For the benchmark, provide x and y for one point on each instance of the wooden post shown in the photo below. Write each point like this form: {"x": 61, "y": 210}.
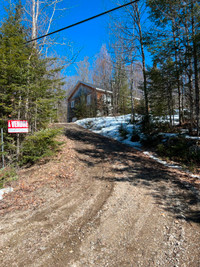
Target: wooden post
{"x": 18, "y": 145}
{"x": 2, "y": 148}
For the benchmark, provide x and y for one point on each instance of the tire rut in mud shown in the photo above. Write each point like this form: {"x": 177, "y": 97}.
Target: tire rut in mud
{"x": 122, "y": 209}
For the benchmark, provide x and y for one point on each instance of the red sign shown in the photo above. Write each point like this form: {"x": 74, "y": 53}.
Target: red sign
{"x": 17, "y": 126}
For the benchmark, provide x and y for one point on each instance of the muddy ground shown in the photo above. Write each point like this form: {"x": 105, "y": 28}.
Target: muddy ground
{"x": 100, "y": 203}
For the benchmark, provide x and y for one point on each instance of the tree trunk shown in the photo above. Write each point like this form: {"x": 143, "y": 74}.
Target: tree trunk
{"x": 143, "y": 61}
{"x": 189, "y": 73}
{"x": 177, "y": 75}
{"x": 35, "y": 120}
{"x": 35, "y": 14}
{"x": 190, "y": 85}
{"x": 18, "y": 136}
{"x": 195, "y": 60}
{"x": 132, "y": 100}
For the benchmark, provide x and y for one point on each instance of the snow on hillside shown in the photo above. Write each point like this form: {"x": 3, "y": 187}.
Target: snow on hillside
{"x": 109, "y": 127}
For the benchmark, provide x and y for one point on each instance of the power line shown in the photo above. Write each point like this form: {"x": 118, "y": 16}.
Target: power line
{"x": 82, "y": 21}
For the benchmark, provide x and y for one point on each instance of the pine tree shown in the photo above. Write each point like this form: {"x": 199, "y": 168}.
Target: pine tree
{"x": 30, "y": 85}
{"x": 13, "y": 71}
{"x": 121, "y": 92}
{"x": 176, "y": 36}
{"x": 161, "y": 89}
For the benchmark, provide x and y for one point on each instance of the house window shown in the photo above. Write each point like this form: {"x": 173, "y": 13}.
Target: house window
{"x": 72, "y": 104}
{"x": 88, "y": 99}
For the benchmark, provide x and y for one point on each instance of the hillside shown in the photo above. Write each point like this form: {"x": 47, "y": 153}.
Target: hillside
{"x": 120, "y": 129}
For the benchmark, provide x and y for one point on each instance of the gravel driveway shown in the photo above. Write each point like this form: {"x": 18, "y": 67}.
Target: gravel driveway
{"x": 122, "y": 209}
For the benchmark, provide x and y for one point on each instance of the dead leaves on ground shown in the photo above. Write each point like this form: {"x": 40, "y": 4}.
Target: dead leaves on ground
{"x": 35, "y": 184}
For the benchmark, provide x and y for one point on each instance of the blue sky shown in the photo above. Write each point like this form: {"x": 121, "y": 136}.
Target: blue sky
{"x": 88, "y": 36}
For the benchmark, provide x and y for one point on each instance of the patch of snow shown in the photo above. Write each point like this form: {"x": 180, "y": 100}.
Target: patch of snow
{"x": 184, "y": 130}
{"x": 194, "y": 175}
{"x": 176, "y": 134}
{"x": 162, "y": 161}
{"x": 192, "y": 137}
{"x": 168, "y": 134}
{"x": 109, "y": 127}
{"x": 5, "y": 191}
{"x": 175, "y": 120}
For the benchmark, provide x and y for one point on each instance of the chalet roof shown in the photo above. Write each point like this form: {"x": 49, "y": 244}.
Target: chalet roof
{"x": 95, "y": 87}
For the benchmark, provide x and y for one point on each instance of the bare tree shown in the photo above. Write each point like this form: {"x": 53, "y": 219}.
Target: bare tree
{"x": 102, "y": 71}
{"x": 130, "y": 28}
{"x": 83, "y": 70}
{"x": 135, "y": 76}
{"x": 40, "y": 16}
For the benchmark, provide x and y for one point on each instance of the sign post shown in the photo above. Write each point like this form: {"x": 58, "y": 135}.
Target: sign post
{"x": 18, "y": 126}
{"x": 2, "y": 148}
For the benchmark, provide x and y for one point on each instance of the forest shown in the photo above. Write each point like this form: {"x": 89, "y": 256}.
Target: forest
{"x": 167, "y": 32}
{"x": 153, "y": 48}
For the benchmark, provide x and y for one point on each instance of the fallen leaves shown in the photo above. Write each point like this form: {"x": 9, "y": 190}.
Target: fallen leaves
{"x": 37, "y": 182}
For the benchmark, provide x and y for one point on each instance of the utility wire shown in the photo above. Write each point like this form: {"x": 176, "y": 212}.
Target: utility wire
{"x": 82, "y": 21}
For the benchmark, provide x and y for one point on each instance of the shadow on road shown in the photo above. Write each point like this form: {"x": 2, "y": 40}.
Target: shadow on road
{"x": 179, "y": 198}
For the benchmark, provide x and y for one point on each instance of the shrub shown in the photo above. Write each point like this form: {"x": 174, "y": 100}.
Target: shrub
{"x": 163, "y": 127}
{"x": 39, "y": 145}
{"x": 140, "y": 107}
{"x": 7, "y": 174}
{"x": 161, "y": 150}
{"x": 151, "y": 140}
{"x": 135, "y": 136}
{"x": 123, "y": 131}
{"x": 89, "y": 124}
{"x": 181, "y": 149}
{"x": 146, "y": 124}
{"x": 194, "y": 153}
{"x": 177, "y": 147}
{"x": 151, "y": 125}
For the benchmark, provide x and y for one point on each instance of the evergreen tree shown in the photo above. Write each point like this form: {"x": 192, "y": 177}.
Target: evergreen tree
{"x": 13, "y": 71}
{"x": 176, "y": 36}
{"x": 29, "y": 84}
{"x": 161, "y": 89}
{"x": 121, "y": 91}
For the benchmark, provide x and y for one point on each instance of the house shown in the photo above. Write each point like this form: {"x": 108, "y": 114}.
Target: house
{"x": 88, "y": 100}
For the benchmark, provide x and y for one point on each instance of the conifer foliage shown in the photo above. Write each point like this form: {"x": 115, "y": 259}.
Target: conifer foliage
{"x": 29, "y": 87}
{"x": 174, "y": 45}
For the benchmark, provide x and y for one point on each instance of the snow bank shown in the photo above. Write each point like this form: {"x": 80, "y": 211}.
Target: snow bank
{"x": 163, "y": 162}
{"x": 192, "y": 137}
{"x": 5, "y": 191}
{"x": 109, "y": 127}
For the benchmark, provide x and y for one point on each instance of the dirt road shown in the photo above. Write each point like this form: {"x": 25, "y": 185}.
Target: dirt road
{"x": 120, "y": 209}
